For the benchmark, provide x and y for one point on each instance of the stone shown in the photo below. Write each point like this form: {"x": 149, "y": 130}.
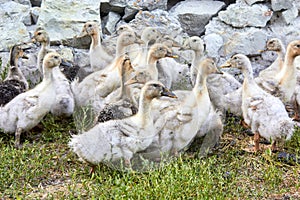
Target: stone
{"x": 281, "y": 5}
{"x": 250, "y": 2}
{"x": 12, "y": 28}
{"x": 213, "y": 43}
{"x": 65, "y": 19}
{"x": 129, "y": 14}
{"x": 148, "y": 4}
{"x": 36, "y": 3}
{"x": 166, "y": 23}
{"x": 112, "y": 20}
{"x": 35, "y": 13}
{"x": 290, "y": 14}
{"x": 239, "y": 16}
{"x": 194, "y": 15}
{"x": 24, "y": 2}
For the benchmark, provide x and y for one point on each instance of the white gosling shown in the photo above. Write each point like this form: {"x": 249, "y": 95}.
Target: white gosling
{"x": 27, "y": 109}
{"x": 117, "y": 140}
{"x": 264, "y": 113}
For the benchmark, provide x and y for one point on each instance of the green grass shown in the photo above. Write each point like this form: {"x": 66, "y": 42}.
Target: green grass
{"x": 46, "y": 168}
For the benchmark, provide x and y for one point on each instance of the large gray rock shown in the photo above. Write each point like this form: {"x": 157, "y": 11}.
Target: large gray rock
{"x": 282, "y": 5}
{"x": 194, "y": 15}
{"x": 12, "y": 18}
{"x": 242, "y": 15}
{"x": 112, "y": 20}
{"x": 290, "y": 14}
{"x": 65, "y": 19}
{"x": 250, "y": 2}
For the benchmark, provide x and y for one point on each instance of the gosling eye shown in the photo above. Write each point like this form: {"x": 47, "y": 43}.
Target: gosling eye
{"x": 194, "y": 40}
{"x": 39, "y": 33}
{"x": 90, "y": 25}
{"x": 55, "y": 57}
{"x": 298, "y": 45}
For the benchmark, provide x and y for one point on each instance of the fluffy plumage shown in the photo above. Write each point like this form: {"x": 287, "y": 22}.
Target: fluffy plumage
{"x": 27, "y": 109}
{"x": 115, "y": 140}
{"x": 264, "y": 113}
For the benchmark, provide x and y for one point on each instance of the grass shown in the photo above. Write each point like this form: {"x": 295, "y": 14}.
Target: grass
{"x": 46, "y": 168}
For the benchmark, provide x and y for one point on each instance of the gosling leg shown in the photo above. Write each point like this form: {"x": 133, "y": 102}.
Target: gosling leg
{"x": 17, "y": 138}
{"x": 256, "y": 141}
{"x": 273, "y": 146}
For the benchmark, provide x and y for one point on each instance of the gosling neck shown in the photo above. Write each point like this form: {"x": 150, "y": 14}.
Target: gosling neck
{"x": 95, "y": 40}
{"x": 152, "y": 67}
{"x": 198, "y": 56}
{"x": 143, "y": 113}
{"x": 200, "y": 84}
{"x": 289, "y": 69}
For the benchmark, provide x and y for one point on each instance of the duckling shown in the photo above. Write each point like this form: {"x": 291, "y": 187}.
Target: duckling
{"x": 41, "y": 36}
{"x": 96, "y": 86}
{"x": 177, "y": 122}
{"x": 264, "y": 113}
{"x": 284, "y": 82}
{"x": 27, "y": 109}
{"x": 121, "y": 106}
{"x": 64, "y": 105}
{"x": 223, "y": 88}
{"x": 115, "y": 140}
{"x": 273, "y": 44}
{"x": 15, "y": 82}
{"x": 196, "y": 44}
{"x": 99, "y": 58}
{"x": 149, "y": 71}
{"x": 149, "y": 36}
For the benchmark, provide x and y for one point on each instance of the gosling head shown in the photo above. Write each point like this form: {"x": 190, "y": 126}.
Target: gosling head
{"x": 90, "y": 28}
{"x": 124, "y": 28}
{"x": 150, "y": 33}
{"x": 293, "y": 48}
{"x": 51, "y": 60}
{"x": 209, "y": 66}
{"x": 41, "y": 36}
{"x": 158, "y": 51}
{"x": 127, "y": 38}
{"x": 155, "y": 89}
{"x": 193, "y": 43}
{"x": 238, "y": 61}
{"x": 16, "y": 52}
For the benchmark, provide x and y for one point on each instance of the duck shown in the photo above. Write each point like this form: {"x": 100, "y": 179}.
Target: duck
{"x": 15, "y": 83}
{"x": 177, "y": 121}
{"x": 149, "y": 36}
{"x": 273, "y": 44}
{"x": 264, "y": 113}
{"x": 223, "y": 88}
{"x": 116, "y": 141}
{"x": 67, "y": 68}
{"x": 27, "y": 109}
{"x": 96, "y": 86}
{"x": 121, "y": 105}
{"x": 99, "y": 58}
{"x": 284, "y": 82}
{"x": 149, "y": 71}
{"x": 195, "y": 44}
{"x": 65, "y": 103}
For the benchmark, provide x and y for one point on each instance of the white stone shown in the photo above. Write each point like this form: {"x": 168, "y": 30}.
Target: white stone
{"x": 238, "y": 15}
{"x": 213, "y": 43}
{"x": 65, "y": 19}
{"x": 290, "y": 14}
{"x": 12, "y": 28}
{"x": 194, "y": 15}
{"x": 280, "y": 4}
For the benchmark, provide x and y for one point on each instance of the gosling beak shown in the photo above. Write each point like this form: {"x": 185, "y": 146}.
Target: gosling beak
{"x": 226, "y": 65}
{"x": 261, "y": 51}
{"x": 25, "y": 56}
{"x": 66, "y": 63}
{"x": 218, "y": 72}
{"x": 133, "y": 80}
{"x": 170, "y": 55}
{"x": 166, "y": 92}
{"x": 139, "y": 41}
